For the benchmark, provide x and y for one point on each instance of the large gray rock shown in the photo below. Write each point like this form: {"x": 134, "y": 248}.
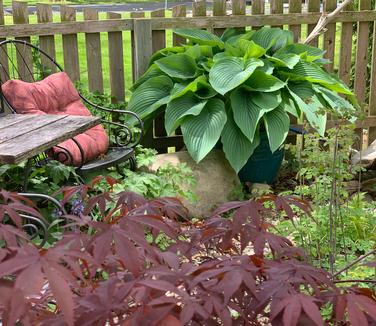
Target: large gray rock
{"x": 215, "y": 179}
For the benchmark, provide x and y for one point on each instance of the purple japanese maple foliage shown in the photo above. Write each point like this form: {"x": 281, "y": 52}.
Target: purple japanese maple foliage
{"x": 109, "y": 269}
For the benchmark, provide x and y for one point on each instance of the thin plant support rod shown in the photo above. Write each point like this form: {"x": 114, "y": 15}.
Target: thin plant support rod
{"x": 325, "y": 19}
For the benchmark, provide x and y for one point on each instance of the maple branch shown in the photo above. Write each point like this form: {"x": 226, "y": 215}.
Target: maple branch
{"x": 355, "y": 281}
{"x": 325, "y": 19}
{"x": 360, "y": 258}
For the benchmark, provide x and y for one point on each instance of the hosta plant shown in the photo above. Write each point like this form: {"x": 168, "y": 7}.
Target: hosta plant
{"x": 229, "y": 88}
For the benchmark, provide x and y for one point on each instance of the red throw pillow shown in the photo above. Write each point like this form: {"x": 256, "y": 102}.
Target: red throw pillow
{"x": 56, "y": 94}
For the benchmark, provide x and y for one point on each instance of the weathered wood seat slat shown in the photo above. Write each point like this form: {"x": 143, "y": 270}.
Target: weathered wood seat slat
{"x": 24, "y": 136}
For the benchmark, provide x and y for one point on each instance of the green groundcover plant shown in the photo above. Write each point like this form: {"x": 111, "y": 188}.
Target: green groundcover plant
{"x": 229, "y": 88}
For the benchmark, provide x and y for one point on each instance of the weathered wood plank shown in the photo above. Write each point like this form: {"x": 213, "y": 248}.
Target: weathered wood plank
{"x": 344, "y": 69}
{"x": 143, "y": 45}
{"x": 24, "y": 56}
{"x": 178, "y": 11}
{"x": 46, "y": 43}
{"x": 330, "y": 34}
{"x": 175, "y": 22}
{"x": 39, "y": 140}
{"x": 4, "y": 69}
{"x": 93, "y": 54}
{"x": 276, "y": 7}
{"x": 116, "y": 62}
{"x": 159, "y": 37}
{"x": 313, "y": 7}
{"x": 219, "y": 9}
{"x": 295, "y": 6}
{"x": 12, "y": 119}
{"x": 70, "y": 46}
{"x": 135, "y": 15}
{"x": 11, "y": 132}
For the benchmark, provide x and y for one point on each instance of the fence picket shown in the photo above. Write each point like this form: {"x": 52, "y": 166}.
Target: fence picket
{"x": 372, "y": 91}
{"x": 276, "y": 7}
{"x": 159, "y": 37}
{"x": 93, "y": 54}
{"x": 313, "y": 7}
{"x": 47, "y": 42}
{"x": 24, "y": 55}
{"x": 295, "y": 6}
{"x": 4, "y": 71}
{"x": 330, "y": 34}
{"x": 238, "y": 9}
{"x": 116, "y": 62}
{"x": 70, "y": 45}
{"x": 219, "y": 9}
{"x": 178, "y": 11}
{"x": 344, "y": 69}
{"x": 135, "y": 14}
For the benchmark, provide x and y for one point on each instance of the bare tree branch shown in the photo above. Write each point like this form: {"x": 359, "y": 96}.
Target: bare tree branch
{"x": 325, "y": 19}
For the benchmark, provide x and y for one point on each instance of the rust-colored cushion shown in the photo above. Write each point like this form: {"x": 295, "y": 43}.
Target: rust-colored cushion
{"x": 56, "y": 94}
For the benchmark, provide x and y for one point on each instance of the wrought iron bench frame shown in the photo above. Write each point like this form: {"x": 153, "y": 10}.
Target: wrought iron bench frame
{"x": 125, "y": 140}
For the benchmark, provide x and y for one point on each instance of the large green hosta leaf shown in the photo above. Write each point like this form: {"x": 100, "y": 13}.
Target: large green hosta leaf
{"x": 267, "y": 100}
{"x": 309, "y": 53}
{"x": 202, "y": 132}
{"x": 236, "y": 146}
{"x": 288, "y": 60}
{"x": 314, "y": 74}
{"x": 196, "y": 51}
{"x": 313, "y": 110}
{"x": 178, "y": 65}
{"x": 263, "y": 82}
{"x": 268, "y": 37}
{"x": 341, "y": 106}
{"x": 230, "y": 72}
{"x": 151, "y": 95}
{"x": 277, "y": 123}
{"x": 199, "y": 86}
{"x": 152, "y": 71}
{"x": 181, "y": 107}
{"x": 200, "y": 36}
{"x": 247, "y": 113}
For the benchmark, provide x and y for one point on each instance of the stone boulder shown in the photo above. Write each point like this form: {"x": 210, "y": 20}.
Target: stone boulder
{"x": 366, "y": 157}
{"x": 215, "y": 179}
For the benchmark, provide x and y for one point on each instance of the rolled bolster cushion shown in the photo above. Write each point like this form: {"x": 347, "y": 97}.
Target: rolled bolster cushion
{"x": 56, "y": 94}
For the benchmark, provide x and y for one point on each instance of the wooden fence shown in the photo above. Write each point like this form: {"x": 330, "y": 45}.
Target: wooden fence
{"x": 112, "y": 51}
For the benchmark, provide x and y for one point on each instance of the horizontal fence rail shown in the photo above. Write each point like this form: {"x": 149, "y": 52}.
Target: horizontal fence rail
{"x": 107, "y": 52}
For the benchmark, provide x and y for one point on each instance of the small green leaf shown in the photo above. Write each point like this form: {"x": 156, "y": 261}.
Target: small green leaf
{"x": 277, "y": 123}
{"x": 178, "y": 65}
{"x": 288, "y": 60}
{"x": 230, "y": 72}
{"x": 250, "y": 49}
{"x": 202, "y": 132}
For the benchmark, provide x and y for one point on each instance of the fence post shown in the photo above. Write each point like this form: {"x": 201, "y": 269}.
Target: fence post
{"x": 178, "y": 11}
{"x": 143, "y": 45}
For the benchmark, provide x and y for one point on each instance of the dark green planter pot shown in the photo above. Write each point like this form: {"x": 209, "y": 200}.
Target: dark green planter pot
{"x": 263, "y": 166}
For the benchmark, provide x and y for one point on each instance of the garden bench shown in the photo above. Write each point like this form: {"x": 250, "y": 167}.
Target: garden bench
{"x": 27, "y": 63}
